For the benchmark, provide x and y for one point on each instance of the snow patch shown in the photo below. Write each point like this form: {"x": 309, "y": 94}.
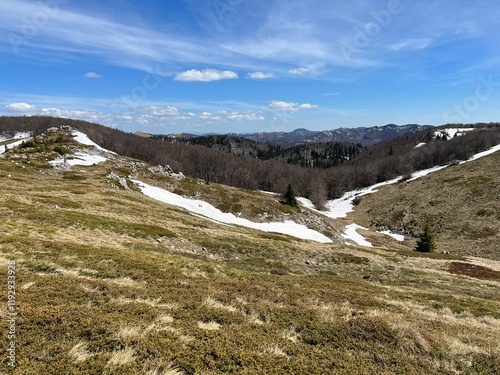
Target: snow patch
{"x": 425, "y": 172}
{"x": 340, "y": 207}
{"x": 420, "y": 144}
{"x": 207, "y": 211}
{"x": 483, "y": 154}
{"x": 21, "y": 136}
{"x": 397, "y": 237}
{"x": 79, "y": 158}
{"x": 351, "y": 234}
{"x": 452, "y": 132}
{"x": 85, "y": 140}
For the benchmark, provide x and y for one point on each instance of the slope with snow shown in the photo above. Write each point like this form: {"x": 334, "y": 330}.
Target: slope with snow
{"x": 207, "y": 211}
{"x": 18, "y": 139}
{"x": 339, "y": 208}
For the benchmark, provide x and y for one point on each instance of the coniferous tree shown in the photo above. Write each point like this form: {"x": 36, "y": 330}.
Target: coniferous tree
{"x": 290, "y": 196}
{"x": 425, "y": 243}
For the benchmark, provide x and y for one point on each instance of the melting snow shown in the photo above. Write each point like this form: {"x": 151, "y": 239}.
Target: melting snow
{"x": 79, "y": 158}
{"x": 351, "y": 234}
{"x": 21, "y": 136}
{"x": 85, "y": 140}
{"x": 397, "y": 237}
{"x": 452, "y": 132}
{"x": 425, "y": 172}
{"x": 484, "y": 153}
{"x": 206, "y": 210}
{"x": 340, "y": 207}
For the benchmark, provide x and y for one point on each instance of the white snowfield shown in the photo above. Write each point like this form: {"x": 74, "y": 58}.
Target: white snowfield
{"x": 207, "y": 211}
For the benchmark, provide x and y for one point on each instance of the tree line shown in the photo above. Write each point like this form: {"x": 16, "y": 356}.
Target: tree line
{"x": 380, "y": 162}
{"x": 310, "y": 155}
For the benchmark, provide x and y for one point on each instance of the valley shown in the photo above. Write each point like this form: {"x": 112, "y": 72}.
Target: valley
{"x": 111, "y": 279}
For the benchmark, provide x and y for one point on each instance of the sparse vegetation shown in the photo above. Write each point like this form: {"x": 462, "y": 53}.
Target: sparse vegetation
{"x": 112, "y": 282}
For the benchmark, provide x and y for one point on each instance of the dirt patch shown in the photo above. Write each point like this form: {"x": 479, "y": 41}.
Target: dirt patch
{"x": 473, "y": 270}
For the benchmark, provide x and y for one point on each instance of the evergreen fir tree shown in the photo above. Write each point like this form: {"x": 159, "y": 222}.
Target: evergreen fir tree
{"x": 425, "y": 243}
{"x": 290, "y": 197}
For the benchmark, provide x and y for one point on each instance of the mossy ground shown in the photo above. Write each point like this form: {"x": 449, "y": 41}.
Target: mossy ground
{"x": 112, "y": 282}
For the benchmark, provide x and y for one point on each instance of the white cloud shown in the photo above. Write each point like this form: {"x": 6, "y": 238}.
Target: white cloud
{"x": 290, "y": 106}
{"x": 207, "y": 75}
{"x": 92, "y": 75}
{"x": 299, "y": 71}
{"x": 21, "y": 107}
{"x": 307, "y": 106}
{"x": 283, "y": 106}
{"x": 260, "y": 75}
{"x": 162, "y": 111}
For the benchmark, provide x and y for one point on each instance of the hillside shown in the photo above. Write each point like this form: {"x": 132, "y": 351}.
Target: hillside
{"x": 111, "y": 281}
{"x": 316, "y": 155}
{"x": 461, "y": 203}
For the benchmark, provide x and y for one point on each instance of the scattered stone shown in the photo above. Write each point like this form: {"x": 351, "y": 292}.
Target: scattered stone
{"x": 123, "y": 182}
{"x": 178, "y": 176}
{"x": 445, "y": 252}
{"x": 158, "y": 240}
{"x": 367, "y": 277}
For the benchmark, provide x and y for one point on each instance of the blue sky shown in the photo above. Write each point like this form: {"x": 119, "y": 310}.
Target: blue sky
{"x": 251, "y": 65}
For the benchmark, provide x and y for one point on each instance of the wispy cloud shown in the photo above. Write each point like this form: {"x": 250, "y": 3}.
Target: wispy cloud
{"x": 299, "y": 71}
{"x": 207, "y": 75}
{"x": 260, "y": 75}
{"x": 284, "y": 34}
{"x": 92, "y": 75}
{"x": 292, "y": 107}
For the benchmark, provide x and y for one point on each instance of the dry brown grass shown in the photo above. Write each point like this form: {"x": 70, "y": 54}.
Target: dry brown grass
{"x": 209, "y": 326}
{"x": 214, "y": 304}
{"x": 169, "y": 369}
{"x": 121, "y": 357}
{"x": 79, "y": 352}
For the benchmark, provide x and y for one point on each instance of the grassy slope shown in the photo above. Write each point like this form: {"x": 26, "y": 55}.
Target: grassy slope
{"x": 462, "y": 204}
{"x": 97, "y": 293}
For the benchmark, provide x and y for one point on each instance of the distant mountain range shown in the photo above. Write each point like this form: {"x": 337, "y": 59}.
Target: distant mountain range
{"x": 363, "y": 135}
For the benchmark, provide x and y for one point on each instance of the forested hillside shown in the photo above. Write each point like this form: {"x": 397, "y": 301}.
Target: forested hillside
{"x": 315, "y": 155}
{"x": 385, "y": 160}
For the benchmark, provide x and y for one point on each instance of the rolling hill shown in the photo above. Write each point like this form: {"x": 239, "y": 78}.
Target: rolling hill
{"x": 112, "y": 280}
